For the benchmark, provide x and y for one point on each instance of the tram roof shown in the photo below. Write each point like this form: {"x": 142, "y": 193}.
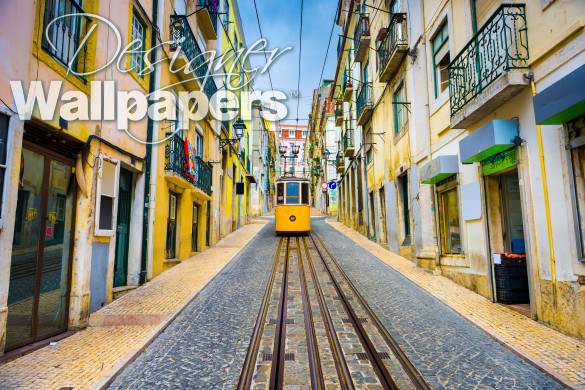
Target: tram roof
{"x": 291, "y": 178}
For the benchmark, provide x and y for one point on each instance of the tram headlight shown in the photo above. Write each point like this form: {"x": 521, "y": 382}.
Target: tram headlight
{"x": 292, "y": 218}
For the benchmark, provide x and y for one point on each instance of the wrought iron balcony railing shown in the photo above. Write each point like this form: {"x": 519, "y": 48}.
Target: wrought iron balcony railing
{"x": 362, "y": 30}
{"x": 348, "y": 139}
{"x": 61, "y": 38}
{"x": 338, "y": 113}
{"x": 175, "y": 161}
{"x": 183, "y": 39}
{"x": 364, "y": 98}
{"x": 500, "y": 45}
{"x": 395, "y": 36}
{"x": 212, "y": 7}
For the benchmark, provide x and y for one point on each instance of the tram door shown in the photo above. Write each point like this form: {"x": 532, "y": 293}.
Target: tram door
{"x": 38, "y": 295}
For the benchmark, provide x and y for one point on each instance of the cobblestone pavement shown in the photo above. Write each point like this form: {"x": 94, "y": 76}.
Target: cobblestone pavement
{"x": 559, "y": 354}
{"x": 205, "y": 346}
{"x": 448, "y": 350}
{"x": 124, "y": 327}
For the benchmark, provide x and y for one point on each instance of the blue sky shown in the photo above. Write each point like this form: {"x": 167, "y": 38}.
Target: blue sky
{"x": 280, "y": 22}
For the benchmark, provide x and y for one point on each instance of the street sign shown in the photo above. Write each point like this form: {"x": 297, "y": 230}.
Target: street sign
{"x": 332, "y": 185}
{"x": 324, "y": 186}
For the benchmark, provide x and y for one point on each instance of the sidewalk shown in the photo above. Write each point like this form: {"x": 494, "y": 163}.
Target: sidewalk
{"x": 561, "y": 356}
{"x": 120, "y": 331}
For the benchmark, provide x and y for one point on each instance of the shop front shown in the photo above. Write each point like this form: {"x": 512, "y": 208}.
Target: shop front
{"x": 493, "y": 147}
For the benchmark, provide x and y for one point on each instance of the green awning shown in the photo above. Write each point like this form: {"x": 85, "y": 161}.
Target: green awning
{"x": 493, "y": 138}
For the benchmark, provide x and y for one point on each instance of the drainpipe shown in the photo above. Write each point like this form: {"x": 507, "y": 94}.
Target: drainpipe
{"x": 151, "y": 156}
{"x": 547, "y": 208}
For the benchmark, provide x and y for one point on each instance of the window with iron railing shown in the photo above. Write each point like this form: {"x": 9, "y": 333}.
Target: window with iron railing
{"x": 362, "y": 29}
{"x": 394, "y": 35}
{"x": 499, "y": 46}
{"x": 65, "y": 26}
{"x": 364, "y": 98}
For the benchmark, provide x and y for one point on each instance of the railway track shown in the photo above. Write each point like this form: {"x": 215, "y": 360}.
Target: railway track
{"x": 315, "y": 330}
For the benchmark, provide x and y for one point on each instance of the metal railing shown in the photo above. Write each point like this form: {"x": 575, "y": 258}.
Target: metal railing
{"x": 500, "y": 44}
{"x": 346, "y": 80}
{"x": 362, "y": 29}
{"x": 183, "y": 39}
{"x": 347, "y": 139}
{"x": 175, "y": 161}
{"x": 338, "y": 111}
{"x": 61, "y": 38}
{"x": 364, "y": 98}
{"x": 395, "y": 35}
{"x": 212, "y": 7}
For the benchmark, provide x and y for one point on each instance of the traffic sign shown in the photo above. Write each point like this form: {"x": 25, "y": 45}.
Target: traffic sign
{"x": 332, "y": 185}
{"x": 324, "y": 186}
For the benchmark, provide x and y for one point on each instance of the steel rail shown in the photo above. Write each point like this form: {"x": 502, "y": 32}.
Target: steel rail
{"x": 245, "y": 379}
{"x": 315, "y": 368}
{"x": 378, "y": 365}
{"x": 340, "y": 363}
{"x": 415, "y": 376}
{"x": 278, "y": 358}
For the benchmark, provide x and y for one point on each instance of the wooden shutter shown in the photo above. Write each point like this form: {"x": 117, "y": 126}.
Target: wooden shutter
{"x": 484, "y": 9}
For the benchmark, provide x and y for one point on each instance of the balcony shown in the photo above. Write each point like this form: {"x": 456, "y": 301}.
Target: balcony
{"x": 348, "y": 146}
{"x": 176, "y": 173}
{"x": 347, "y": 86}
{"x": 66, "y": 33}
{"x": 207, "y": 17}
{"x": 364, "y": 104}
{"x": 338, "y": 114}
{"x": 184, "y": 41}
{"x": 488, "y": 72}
{"x": 392, "y": 47}
{"x": 361, "y": 37}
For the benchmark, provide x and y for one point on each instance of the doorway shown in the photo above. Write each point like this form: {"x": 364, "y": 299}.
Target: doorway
{"x": 122, "y": 228}
{"x": 171, "y": 243}
{"x": 383, "y": 235}
{"x": 40, "y": 270}
{"x": 372, "y": 217}
{"x": 194, "y": 227}
{"x": 507, "y": 240}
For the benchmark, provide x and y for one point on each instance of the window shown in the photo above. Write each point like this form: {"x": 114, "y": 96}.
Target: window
{"x": 138, "y": 34}
{"x": 4, "y": 150}
{"x": 304, "y": 133}
{"x": 441, "y": 59}
{"x": 199, "y": 142}
{"x": 304, "y": 192}
{"x": 226, "y": 10}
{"x": 399, "y": 108}
{"x": 369, "y": 146}
{"x": 279, "y": 132}
{"x": 291, "y": 134}
{"x": 449, "y": 216}
{"x": 107, "y": 188}
{"x": 280, "y": 193}
{"x": 180, "y": 7}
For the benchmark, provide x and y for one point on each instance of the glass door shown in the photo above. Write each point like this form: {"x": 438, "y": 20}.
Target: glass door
{"x": 38, "y": 296}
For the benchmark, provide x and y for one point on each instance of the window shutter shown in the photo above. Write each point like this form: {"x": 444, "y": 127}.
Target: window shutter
{"x": 484, "y": 9}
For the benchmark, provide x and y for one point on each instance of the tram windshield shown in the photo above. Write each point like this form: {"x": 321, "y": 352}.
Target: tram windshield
{"x": 292, "y": 193}
{"x": 305, "y": 193}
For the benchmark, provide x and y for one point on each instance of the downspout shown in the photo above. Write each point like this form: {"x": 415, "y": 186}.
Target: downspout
{"x": 553, "y": 275}
{"x": 434, "y": 210}
{"x": 151, "y": 156}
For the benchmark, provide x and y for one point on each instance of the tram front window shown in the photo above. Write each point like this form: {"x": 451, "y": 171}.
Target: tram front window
{"x": 280, "y": 193}
{"x": 305, "y": 193}
{"x": 292, "y": 193}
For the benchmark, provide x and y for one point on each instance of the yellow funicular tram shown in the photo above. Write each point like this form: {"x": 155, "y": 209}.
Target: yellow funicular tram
{"x": 293, "y": 203}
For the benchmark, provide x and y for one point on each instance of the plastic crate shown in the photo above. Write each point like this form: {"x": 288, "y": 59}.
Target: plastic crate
{"x": 508, "y": 297}
{"x": 510, "y": 271}
{"x": 512, "y": 283}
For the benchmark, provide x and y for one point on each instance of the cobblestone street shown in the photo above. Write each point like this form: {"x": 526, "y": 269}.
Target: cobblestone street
{"x": 206, "y": 346}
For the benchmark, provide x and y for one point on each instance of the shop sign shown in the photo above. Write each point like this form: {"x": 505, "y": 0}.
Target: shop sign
{"x": 190, "y": 155}
{"x": 499, "y": 161}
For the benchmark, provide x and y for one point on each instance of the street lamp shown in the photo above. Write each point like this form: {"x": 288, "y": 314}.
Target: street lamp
{"x": 295, "y": 149}
{"x": 282, "y": 149}
{"x": 239, "y": 127}
{"x": 326, "y": 154}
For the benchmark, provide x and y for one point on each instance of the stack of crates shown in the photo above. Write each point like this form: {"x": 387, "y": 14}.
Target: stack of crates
{"x": 511, "y": 282}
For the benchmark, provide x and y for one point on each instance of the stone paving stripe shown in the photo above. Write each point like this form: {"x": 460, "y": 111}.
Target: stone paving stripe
{"x": 558, "y": 355}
